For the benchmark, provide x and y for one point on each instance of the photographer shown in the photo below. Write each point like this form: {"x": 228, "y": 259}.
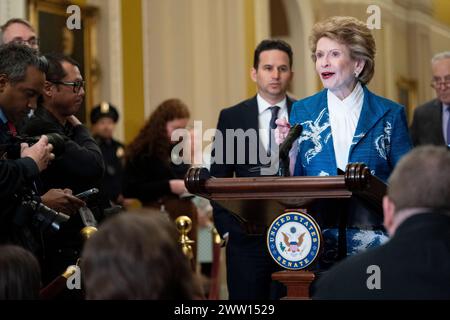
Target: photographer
{"x": 79, "y": 168}
{"x": 22, "y": 79}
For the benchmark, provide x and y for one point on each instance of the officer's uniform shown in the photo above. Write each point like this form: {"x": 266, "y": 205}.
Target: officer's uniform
{"x": 113, "y": 154}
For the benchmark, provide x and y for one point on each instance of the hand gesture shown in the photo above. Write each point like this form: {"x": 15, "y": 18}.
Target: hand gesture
{"x": 281, "y": 130}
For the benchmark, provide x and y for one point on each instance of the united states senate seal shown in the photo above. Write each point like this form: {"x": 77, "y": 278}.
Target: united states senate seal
{"x": 294, "y": 240}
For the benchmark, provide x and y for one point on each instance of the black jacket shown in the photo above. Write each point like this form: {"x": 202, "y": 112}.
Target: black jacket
{"x": 79, "y": 167}
{"x": 113, "y": 153}
{"x": 16, "y": 180}
{"x": 146, "y": 178}
{"x": 413, "y": 264}
{"x": 426, "y": 127}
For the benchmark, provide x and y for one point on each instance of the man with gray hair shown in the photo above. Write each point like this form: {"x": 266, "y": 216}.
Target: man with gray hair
{"x": 19, "y": 31}
{"x": 415, "y": 262}
{"x": 431, "y": 122}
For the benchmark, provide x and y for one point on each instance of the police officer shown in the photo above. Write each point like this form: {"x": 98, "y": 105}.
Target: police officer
{"x": 104, "y": 118}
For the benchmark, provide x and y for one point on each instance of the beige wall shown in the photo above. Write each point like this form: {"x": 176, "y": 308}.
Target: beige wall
{"x": 108, "y": 53}
{"x": 301, "y": 19}
{"x": 195, "y": 50}
{"x": 12, "y": 8}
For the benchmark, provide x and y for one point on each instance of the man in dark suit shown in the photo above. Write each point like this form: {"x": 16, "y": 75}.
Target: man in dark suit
{"x": 431, "y": 122}
{"x": 251, "y": 151}
{"x": 415, "y": 262}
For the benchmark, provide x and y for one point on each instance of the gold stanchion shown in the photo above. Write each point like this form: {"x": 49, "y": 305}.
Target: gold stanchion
{"x": 87, "y": 232}
{"x": 184, "y": 225}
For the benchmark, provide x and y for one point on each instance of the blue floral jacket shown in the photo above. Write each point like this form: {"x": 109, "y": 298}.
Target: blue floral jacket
{"x": 381, "y": 137}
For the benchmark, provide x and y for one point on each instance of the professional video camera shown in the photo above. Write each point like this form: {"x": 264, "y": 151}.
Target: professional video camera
{"x": 41, "y": 216}
{"x": 30, "y": 208}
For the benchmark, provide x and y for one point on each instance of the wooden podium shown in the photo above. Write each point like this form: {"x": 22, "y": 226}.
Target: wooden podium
{"x": 257, "y": 201}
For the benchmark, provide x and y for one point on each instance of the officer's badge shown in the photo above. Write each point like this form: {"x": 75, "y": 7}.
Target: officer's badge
{"x": 104, "y": 107}
{"x": 120, "y": 152}
{"x": 294, "y": 240}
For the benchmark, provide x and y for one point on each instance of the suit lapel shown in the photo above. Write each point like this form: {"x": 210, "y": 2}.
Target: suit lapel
{"x": 289, "y": 103}
{"x": 371, "y": 113}
{"x": 436, "y": 121}
{"x": 251, "y": 121}
{"x": 250, "y": 115}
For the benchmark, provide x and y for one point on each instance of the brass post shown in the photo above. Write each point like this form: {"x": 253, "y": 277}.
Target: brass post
{"x": 87, "y": 232}
{"x": 184, "y": 225}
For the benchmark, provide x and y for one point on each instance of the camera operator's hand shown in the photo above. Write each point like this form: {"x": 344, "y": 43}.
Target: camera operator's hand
{"x": 62, "y": 201}
{"x": 40, "y": 152}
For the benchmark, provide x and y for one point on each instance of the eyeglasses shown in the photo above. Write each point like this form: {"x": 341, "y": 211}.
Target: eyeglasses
{"x": 32, "y": 42}
{"x": 77, "y": 85}
{"x": 436, "y": 83}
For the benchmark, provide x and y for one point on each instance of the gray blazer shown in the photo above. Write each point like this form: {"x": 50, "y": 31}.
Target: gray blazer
{"x": 426, "y": 127}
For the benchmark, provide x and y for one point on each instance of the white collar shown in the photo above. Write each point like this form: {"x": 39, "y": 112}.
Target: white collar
{"x": 352, "y": 100}
{"x": 263, "y": 105}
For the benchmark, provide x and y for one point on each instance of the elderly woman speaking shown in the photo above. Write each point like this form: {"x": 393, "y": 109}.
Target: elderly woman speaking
{"x": 345, "y": 123}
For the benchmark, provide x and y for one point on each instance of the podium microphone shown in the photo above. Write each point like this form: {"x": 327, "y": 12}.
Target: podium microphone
{"x": 285, "y": 147}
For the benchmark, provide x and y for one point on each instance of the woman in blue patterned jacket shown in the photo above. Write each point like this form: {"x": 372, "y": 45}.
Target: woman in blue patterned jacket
{"x": 346, "y": 123}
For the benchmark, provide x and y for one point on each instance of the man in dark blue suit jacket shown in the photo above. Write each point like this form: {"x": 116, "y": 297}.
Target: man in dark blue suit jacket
{"x": 431, "y": 122}
{"x": 415, "y": 262}
{"x": 249, "y": 266}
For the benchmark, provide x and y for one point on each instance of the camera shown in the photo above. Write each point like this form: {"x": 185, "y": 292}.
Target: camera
{"x": 11, "y": 149}
{"x": 86, "y": 194}
{"x": 55, "y": 139}
{"x": 41, "y": 216}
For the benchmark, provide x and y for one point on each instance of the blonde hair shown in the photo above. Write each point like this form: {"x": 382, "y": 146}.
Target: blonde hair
{"x": 354, "y": 34}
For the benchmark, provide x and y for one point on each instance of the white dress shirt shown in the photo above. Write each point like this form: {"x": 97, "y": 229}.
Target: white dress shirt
{"x": 264, "y": 116}
{"x": 344, "y": 116}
